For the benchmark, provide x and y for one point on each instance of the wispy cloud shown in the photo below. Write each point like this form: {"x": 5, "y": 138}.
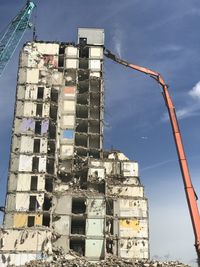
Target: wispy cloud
{"x": 174, "y": 18}
{"x": 190, "y": 110}
{"x": 158, "y": 164}
{"x": 117, "y": 39}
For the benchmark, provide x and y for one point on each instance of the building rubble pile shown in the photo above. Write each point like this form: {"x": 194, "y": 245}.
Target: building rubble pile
{"x": 73, "y": 260}
{"x": 109, "y": 262}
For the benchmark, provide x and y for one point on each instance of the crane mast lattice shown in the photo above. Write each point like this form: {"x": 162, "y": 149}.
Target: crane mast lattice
{"x": 13, "y": 33}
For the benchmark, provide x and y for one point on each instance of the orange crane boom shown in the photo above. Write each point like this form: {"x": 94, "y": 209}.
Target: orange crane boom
{"x": 189, "y": 189}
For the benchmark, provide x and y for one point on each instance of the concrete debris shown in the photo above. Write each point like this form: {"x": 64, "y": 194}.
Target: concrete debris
{"x": 72, "y": 260}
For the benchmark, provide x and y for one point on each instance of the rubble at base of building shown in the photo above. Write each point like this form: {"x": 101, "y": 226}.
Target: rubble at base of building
{"x": 73, "y": 260}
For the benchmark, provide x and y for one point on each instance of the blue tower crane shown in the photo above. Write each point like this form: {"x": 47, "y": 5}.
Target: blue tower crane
{"x": 11, "y": 37}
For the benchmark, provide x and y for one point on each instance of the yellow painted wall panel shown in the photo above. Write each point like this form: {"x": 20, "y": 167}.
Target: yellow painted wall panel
{"x": 20, "y": 220}
{"x": 38, "y": 220}
{"x": 133, "y": 224}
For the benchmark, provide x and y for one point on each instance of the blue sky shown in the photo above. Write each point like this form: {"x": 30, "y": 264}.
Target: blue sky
{"x": 162, "y": 35}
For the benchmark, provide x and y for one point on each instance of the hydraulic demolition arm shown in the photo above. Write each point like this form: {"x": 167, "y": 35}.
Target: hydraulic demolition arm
{"x": 189, "y": 190}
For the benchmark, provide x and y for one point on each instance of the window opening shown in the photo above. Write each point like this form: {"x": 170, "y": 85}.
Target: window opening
{"x": 53, "y": 112}
{"x": 46, "y": 219}
{"x": 109, "y": 207}
{"x": 40, "y": 93}
{"x": 78, "y": 205}
{"x": 78, "y": 246}
{"x": 82, "y": 41}
{"x": 84, "y": 52}
{"x": 51, "y": 147}
{"x": 31, "y": 221}
{"x": 50, "y": 166}
{"x": 36, "y": 146}
{"x": 61, "y": 49}
{"x": 109, "y": 246}
{"x": 34, "y": 183}
{"x": 38, "y": 127}
{"x": 49, "y": 184}
{"x": 52, "y": 131}
{"x": 39, "y": 110}
{"x": 61, "y": 61}
{"x": 78, "y": 225}
{"x": 47, "y": 203}
{"x": 32, "y": 203}
{"x": 35, "y": 164}
{"x": 54, "y": 95}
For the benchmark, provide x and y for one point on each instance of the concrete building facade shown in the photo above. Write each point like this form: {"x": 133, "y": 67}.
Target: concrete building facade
{"x": 64, "y": 192}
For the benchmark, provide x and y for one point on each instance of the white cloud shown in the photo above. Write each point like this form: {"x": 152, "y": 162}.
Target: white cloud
{"x": 195, "y": 92}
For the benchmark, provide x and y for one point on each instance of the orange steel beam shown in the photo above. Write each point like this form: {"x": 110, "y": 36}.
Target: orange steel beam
{"x": 189, "y": 189}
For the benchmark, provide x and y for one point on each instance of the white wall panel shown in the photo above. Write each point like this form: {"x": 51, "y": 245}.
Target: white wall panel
{"x": 96, "y": 52}
{"x": 47, "y": 49}
{"x": 95, "y": 64}
{"x": 134, "y": 249}
{"x": 42, "y": 164}
{"x": 71, "y": 51}
{"x": 94, "y": 227}
{"x": 67, "y": 150}
{"x": 132, "y": 208}
{"x": 32, "y": 240}
{"x": 68, "y": 105}
{"x": 25, "y": 163}
{"x": 26, "y": 144}
{"x": 19, "y": 259}
{"x": 96, "y": 207}
{"x": 68, "y": 120}
{"x": 62, "y": 225}
{"x": 32, "y": 75}
{"x": 130, "y": 168}
{"x": 31, "y": 92}
{"x": 45, "y": 111}
{"x": 135, "y": 191}
{"x": 22, "y": 201}
{"x": 29, "y": 109}
{"x": 24, "y": 182}
{"x": 94, "y": 248}
{"x": 19, "y": 108}
{"x": 43, "y": 145}
{"x": 71, "y": 63}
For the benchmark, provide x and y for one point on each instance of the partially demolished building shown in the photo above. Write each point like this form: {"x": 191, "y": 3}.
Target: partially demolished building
{"x": 64, "y": 192}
